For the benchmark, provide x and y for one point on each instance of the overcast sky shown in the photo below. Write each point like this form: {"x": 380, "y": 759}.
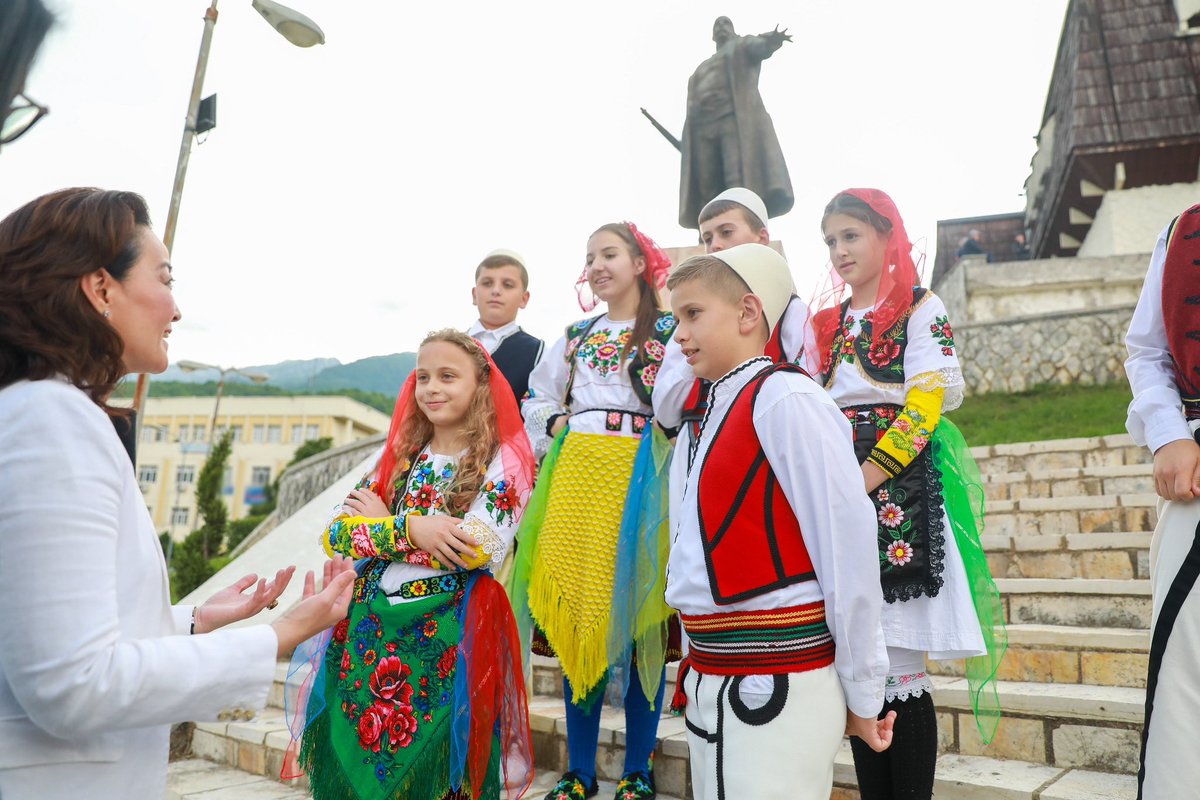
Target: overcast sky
{"x": 341, "y": 204}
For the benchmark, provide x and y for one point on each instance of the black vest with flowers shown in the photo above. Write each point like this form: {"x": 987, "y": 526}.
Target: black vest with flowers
{"x": 880, "y": 355}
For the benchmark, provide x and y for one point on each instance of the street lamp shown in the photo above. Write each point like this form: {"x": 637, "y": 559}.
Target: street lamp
{"x": 195, "y": 366}
{"x": 293, "y": 26}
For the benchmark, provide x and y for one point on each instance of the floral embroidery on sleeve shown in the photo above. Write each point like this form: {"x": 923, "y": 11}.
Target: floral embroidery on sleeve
{"x": 943, "y": 334}
{"x": 500, "y": 500}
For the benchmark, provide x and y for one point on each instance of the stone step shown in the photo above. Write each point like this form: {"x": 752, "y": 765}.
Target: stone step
{"x": 1073, "y": 555}
{"x": 1063, "y": 654}
{"x": 1100, "y": 451}
{"x": 1127, "y": 479}
{"x": 1082, "y": 602}
{"x": 1079, "y": 514}
{"x": 198, "y": 779}
{"x": 1058, "y": 725}
{"x": 255, "y": 746}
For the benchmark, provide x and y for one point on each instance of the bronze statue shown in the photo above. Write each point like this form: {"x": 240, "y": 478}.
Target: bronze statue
{"x": 728, "y": 138}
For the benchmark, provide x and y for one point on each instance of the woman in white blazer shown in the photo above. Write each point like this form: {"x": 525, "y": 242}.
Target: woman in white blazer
{"x": 95, "y": 663}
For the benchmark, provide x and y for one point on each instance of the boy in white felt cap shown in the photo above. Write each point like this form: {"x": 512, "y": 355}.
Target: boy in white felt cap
{"x": 773, "y": 564}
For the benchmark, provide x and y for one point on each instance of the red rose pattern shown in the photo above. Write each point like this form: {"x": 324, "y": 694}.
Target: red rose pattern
{"x": 371, "y": 726}
{"x": 391, "y": 678}
{"x": 447, "y": 662}
{"x": 340, "y": 630}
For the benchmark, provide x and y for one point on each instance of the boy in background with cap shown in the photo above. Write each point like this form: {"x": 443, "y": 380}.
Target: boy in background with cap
{"x": 773, "y": 564}
{"x": 501, "y": 290}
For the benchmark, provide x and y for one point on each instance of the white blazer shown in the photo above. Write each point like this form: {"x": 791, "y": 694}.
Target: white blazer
{"x": 95, "y": 664}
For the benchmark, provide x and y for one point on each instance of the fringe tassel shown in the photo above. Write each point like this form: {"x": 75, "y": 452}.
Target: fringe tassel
{"x": 679, "y": 699}
{"x": 585, "y": 661}
{"x": 427, "y": 777}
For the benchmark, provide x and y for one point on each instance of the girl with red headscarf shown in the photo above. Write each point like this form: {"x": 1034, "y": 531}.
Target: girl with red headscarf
{"x": 423, "y": 693}
{"x": 886, "y": 355}
{"x": 590, "y": 570}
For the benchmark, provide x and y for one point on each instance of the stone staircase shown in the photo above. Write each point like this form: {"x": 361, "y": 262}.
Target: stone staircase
{"x": 1068, "y": 535}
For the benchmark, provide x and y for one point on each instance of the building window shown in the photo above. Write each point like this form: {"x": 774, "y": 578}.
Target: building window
{"x": 148, "y": 474}
{"x": 275, "y": 433}
{"x": 153, "y": 433}
{"x": 184, "y": 431}
{"x": 198, "y": 433}
{"x": 311, "y": 432}
{"x": 297, "y": 434}
{"x": 260, "y": 476}
{"x": 260, "y": 433}
{"x": 179, "y": 515}
{"x": 185, "y": 474}
{"x": 237, "y": 433}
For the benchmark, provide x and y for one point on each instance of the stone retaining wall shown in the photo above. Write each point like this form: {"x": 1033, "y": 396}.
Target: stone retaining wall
{"x": 307, "y": 479}
{"x": 1084, "y": 347}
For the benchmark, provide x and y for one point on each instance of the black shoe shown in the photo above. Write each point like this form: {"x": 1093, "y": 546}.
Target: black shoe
{"x": 572, "y": 787}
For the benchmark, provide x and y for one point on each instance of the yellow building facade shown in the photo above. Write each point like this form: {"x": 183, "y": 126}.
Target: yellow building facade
{"x": 175, "y": 440}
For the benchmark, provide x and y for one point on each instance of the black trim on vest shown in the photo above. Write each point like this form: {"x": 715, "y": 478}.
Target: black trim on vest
{"x": 756, "y": 465}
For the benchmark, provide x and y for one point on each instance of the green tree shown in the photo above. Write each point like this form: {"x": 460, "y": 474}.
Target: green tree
{"x": 311, "y": 448}
{"x": 209, "y": 504}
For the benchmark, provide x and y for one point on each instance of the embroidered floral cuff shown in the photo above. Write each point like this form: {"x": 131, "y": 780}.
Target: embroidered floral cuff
{"x": 364, "y": 537}
{"x": 910, "y": 433}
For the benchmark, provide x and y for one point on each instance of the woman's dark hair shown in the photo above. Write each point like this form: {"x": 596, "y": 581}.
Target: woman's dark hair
{"x": 47, "y": 324}
{"x": 23, "y": 26}
{"x": 648, "y": 299}
{"x": 852, "y": 206}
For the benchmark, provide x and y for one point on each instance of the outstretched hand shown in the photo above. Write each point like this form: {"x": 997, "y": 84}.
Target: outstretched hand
{"x": 876, "y": 733}
{"x": 232, "y": 604}
{"x": 317, "y": 610}
{"x": 782, "y": 35}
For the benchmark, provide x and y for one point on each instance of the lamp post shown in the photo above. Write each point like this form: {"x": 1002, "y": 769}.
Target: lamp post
{"x": 291, "y": 25}
{"x": 194, "y": 366}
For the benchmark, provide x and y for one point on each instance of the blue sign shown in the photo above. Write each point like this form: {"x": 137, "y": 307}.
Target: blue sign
{"x": 255, "y": 495}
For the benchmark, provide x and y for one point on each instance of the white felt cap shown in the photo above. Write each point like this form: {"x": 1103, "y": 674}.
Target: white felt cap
{"x": 743, "y": 197}
{"x": 501, "y": 252}
{"x": 766, "y": 273}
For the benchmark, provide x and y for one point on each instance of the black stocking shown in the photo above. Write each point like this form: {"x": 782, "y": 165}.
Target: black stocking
{"x": 905, "y": 770}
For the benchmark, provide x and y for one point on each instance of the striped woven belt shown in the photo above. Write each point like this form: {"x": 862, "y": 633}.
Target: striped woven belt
{"x": 774, "y": 642}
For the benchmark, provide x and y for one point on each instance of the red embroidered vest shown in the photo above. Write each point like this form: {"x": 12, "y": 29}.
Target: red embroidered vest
{"x": 1181, "y": 306}
{"x": 751, "y": 537}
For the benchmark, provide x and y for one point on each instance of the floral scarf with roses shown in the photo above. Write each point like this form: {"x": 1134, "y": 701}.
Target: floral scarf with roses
{"x": 908, "y": 511}
{"x": 390, "y": 682}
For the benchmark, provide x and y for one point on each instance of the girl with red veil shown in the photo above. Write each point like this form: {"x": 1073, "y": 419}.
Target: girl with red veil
{"x": 886, "y": 354}
{"x": 423, "y": 693}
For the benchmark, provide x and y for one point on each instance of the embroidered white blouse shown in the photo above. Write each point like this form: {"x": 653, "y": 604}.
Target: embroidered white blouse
{"x": 601, "y": 382}
{"x": 806, "y": 440}
{"x": 1156, "y": 414}
{"x": 491, "y": 520}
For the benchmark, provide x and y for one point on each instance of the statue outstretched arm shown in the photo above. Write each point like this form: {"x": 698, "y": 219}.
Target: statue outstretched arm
{"x": 767, "y": 43}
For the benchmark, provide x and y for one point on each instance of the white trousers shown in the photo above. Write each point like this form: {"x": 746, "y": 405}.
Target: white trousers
{"x": 775, "y": 747}
{"x": 1172, "y": 770}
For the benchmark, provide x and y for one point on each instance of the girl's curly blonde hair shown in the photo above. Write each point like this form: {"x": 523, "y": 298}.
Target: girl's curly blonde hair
{"x": 478, "y": 429}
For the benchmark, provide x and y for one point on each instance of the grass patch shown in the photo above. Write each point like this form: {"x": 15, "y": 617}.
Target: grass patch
{"x": 1044, "y": 412}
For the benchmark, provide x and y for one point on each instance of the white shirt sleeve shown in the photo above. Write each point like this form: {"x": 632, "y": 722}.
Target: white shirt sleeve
{"x": 807, "y": 441}
{"x": 547, "y": 385}
{"x": 490, "y": 519}
{"x": 671, "y": 386}
{"x": 64, "y": 650}
{"x": 1155, "y": 416}
{"x": 930, "y": 359}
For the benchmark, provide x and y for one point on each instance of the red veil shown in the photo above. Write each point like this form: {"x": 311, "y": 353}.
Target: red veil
{"x": 658, "y": 264}
{"x": 901, "y": 274}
